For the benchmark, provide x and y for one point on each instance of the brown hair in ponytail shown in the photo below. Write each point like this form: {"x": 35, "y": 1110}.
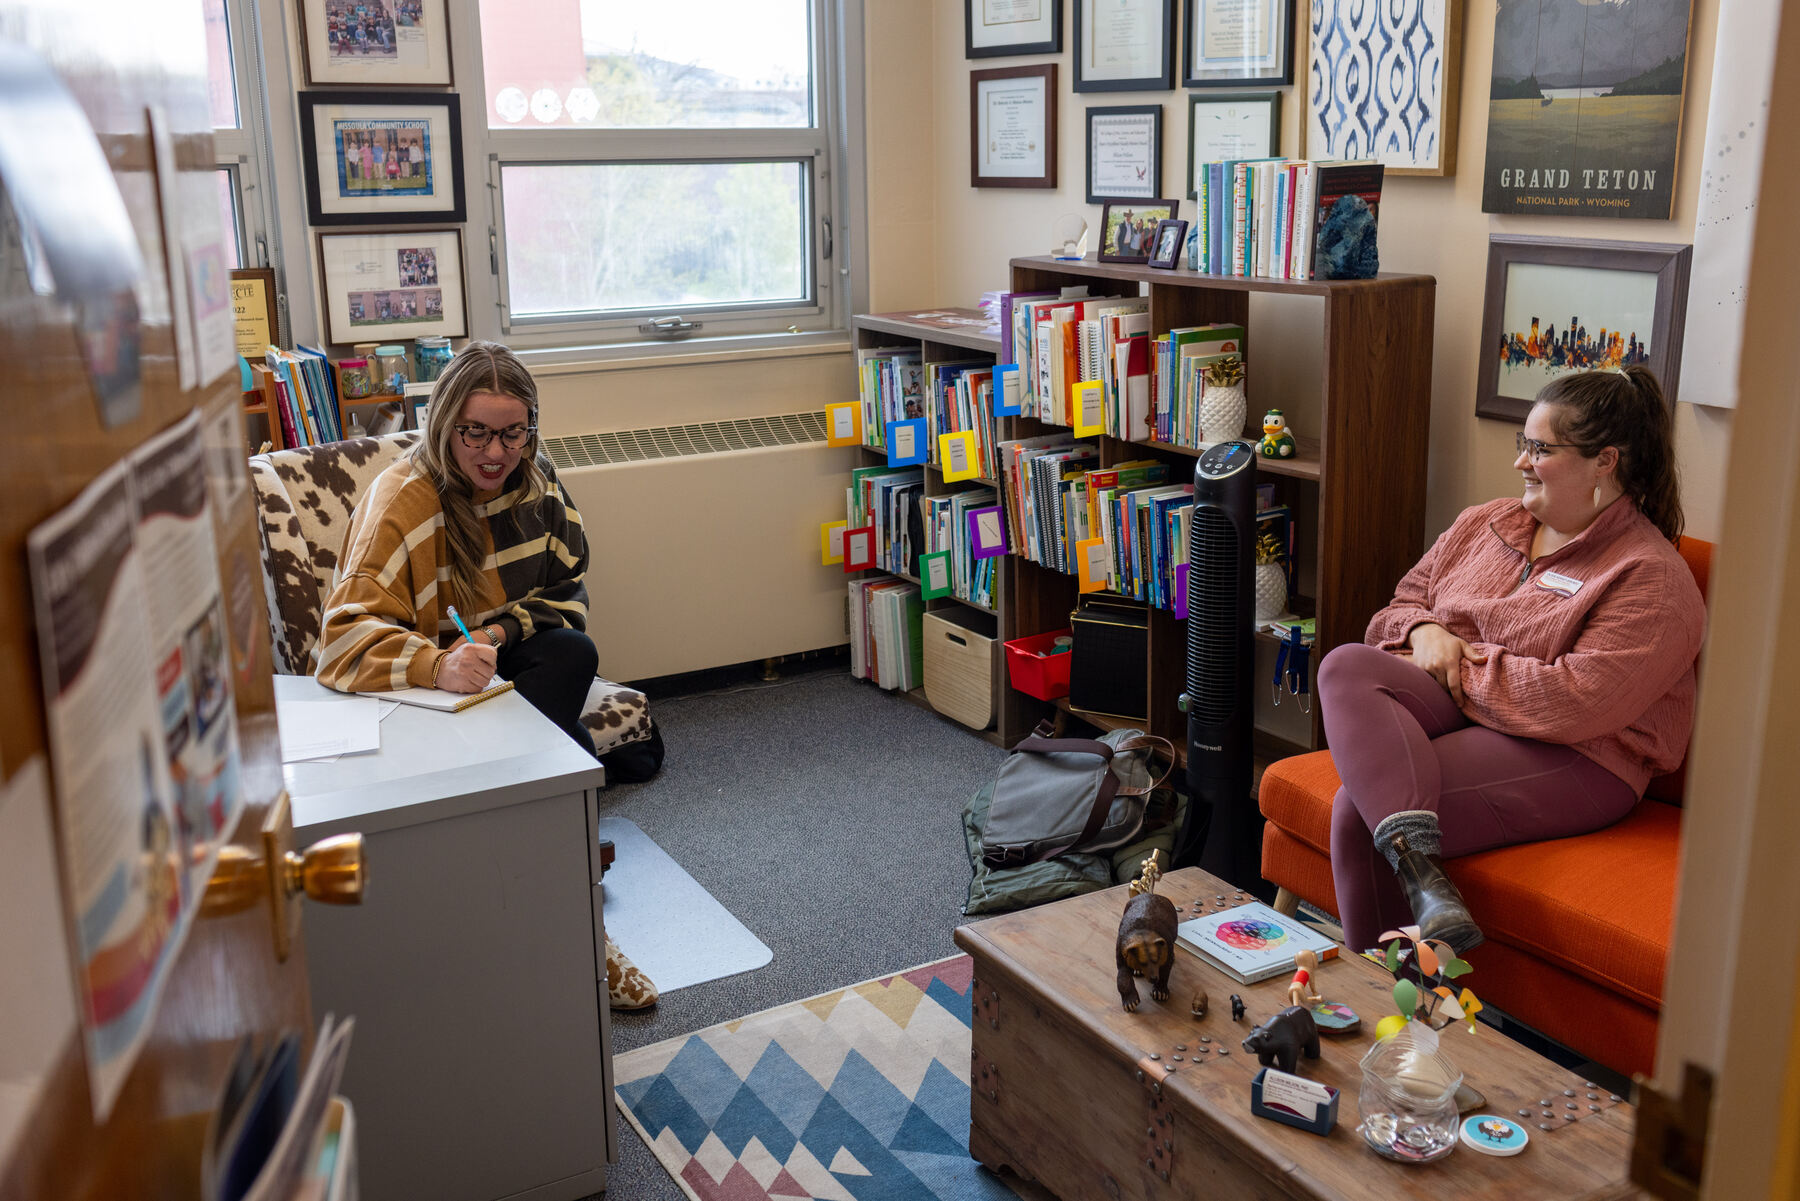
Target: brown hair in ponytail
{"x": 1626, "y": 409}
{"x": 477, "y": 367}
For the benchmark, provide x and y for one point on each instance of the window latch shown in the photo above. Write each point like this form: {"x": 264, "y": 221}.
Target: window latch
{"x": 669, "y": 327}
{"x": 826, "y": 251}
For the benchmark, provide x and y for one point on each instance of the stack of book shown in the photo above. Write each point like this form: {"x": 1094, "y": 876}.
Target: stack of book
{"x": 886, "y": 645}
{"x": 1059, "y": 343}
{"x": 947, "y": 529}
{"x": 1178, "y": 382}
{"x": 306, "y": 402}
{"x": 1143, "y": 524}
{"x": 891, "y": 386}
{"x": 887, "y": 498}
{"x": 1252, "y": 942}
{"x": 1263, "y": 217}
{"x": 961, "y": 397}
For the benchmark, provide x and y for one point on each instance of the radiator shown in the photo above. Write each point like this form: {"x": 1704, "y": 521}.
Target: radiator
{"x": 705, "y": 541}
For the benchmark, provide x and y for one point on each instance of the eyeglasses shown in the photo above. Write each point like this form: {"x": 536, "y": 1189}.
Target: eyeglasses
{"x": 476, "y": 437}
{"x": 1536, "y": 449}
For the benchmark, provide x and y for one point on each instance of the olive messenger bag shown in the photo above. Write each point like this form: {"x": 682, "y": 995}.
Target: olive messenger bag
{"x": 1056, "y": 795}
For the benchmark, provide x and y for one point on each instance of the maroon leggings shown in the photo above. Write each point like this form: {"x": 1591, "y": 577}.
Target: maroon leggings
{"x": 1400, "y": 742}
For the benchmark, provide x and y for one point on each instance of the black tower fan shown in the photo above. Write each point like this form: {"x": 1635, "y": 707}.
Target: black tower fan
{"x": 1220, "y": 661}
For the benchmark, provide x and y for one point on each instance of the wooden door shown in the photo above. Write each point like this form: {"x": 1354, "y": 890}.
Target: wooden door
{"x": 119, "y": 60}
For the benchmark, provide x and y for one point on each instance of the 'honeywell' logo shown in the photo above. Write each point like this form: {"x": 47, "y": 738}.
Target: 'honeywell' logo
{"x": 1203, "y": 746}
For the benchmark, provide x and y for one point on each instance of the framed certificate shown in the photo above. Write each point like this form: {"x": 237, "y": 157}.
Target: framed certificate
{"x": 1221, "y": 128}
{"x": 1012, "y": 127}
{"x": 1124, "y": 45}
{"x": 998, "y": 28}
{"x": 1238, "y": 43}
{"x": 1124, "y": 152}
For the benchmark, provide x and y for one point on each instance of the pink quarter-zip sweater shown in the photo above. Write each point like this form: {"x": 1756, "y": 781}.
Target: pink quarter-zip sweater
{"x": 1592, "y": 645}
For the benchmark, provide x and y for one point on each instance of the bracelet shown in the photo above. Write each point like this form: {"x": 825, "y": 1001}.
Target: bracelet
{"x": 436, "y": 668}
{"x": 497, "y": 640}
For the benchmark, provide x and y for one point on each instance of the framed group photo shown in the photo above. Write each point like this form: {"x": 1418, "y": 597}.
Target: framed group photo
{"x": 999, "y": 28}
{"x": 1238, "y": 44}
{"x": 1128, "y": 229}
{"x": 1012, "y": 127}
{"x": 1124, "y": 45}
{"x": 376, "y": 43}
{"x": 1124, "y": 152}
{"x": 1222, "y": 128}
{"x": 398, "y": 285}
{"x": 1558, "y": 305}
{"x": 381, "y": 158}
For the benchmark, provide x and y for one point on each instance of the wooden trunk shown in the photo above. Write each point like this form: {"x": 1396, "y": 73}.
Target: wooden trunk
{"x": 1090, "y": 1101}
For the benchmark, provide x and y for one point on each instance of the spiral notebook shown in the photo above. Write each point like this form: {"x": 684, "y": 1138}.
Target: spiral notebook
{"x": 446, "y": 702}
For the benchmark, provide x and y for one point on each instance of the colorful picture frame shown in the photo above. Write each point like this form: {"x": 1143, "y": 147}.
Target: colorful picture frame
{"x": 1356, "y": 53}
{"x": 392, "y": 285}
{"x": 1009, "y": 391}
{"x": 1092, "y": 565}
{"x": 843, "y": 423}
{"x": 958, "y": 456}
{"x": 1634, "y": 292}
{"x": 1181, "y": 591}
{"x": 907, "y": 443}
{"x": 1004, "y": 28}
{"x": 987, "y": 532}
{"x": 382, "y": 158}
{"x": 935, "y": 577}
{"x": 1124, "y": 45}
{"x": 1124, "y": 152}
{"x": 384, "y": 43}
{"x": 1238, "y": 44}
{"x": 831, "y": 542}
{"x": 859, "y": 548}
{"x": 1089, "y": 403}
{"x": 1167, "y": 244}
{"x": 1127, "y": 226}
{"x": 1012, "y": 127}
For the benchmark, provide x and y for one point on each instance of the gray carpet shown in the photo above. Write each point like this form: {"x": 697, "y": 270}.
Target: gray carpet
{"x": 825, "y": 814}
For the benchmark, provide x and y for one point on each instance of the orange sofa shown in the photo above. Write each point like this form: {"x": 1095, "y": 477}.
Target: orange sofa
{"x": 1577, "y": 928}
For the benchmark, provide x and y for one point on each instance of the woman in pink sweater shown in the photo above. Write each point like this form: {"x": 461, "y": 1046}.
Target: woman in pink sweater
{"x": 1533, "y": 672}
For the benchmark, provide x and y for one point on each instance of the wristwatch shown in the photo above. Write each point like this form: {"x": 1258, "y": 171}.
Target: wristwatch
{"x": 493, "y": 638}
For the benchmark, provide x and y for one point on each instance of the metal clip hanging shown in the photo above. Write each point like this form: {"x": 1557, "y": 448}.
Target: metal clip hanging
{"x": 1281, "y": 658}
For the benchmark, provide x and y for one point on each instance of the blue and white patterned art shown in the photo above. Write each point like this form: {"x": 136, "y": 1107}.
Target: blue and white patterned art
{"x": 1379, "y": 75}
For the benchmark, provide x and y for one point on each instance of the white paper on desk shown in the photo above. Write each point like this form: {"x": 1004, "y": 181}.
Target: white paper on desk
{"x": 287, "y": 1164}
{"x": 317, "y": 729}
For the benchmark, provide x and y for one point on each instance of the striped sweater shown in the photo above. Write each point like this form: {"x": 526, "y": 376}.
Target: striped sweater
{"x": 1591, "y": 646}
{"x": 385, "y": 624}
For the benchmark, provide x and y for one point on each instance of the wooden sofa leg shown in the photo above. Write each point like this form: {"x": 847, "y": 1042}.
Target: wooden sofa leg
{"x": 1286, "y": 903}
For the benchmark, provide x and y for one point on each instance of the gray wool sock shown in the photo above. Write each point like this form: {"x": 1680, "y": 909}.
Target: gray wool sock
{"x": 1420, "y": 826}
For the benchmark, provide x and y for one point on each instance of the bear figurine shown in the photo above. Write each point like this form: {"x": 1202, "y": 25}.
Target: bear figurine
{"x": 1146, "y": 947}
{"x": 1283, "y": 1038}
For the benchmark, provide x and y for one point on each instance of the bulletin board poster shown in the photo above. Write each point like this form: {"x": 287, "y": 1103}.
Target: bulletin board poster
{"x": 123, "y": 877}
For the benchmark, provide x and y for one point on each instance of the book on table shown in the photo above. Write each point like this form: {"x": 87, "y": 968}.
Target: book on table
{"x": 443, "y": 700}
{"x": 1252, "y": 942}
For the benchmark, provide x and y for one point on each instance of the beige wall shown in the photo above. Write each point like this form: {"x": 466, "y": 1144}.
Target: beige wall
{"x": 935, "y": 240}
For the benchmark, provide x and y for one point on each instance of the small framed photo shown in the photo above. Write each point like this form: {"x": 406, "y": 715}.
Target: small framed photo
{"x": 393, "y": 285}
{"x": 1128, "y": 228}
{"x": 999, "y": 28}
{"x": 1238, "y": 44}
{"x": 1223, "y": 128}
{"x": 1124, "y": 152}
{"x": 382, "y": 158}
{"x": 378, "y": 43}
{"x": 1167, "y": 243}
{"x": 1012, "y": 127}
{"x": 1124, "y": 45}
{"x": 1557, "y": 305}
{"x": 987, "y": 532}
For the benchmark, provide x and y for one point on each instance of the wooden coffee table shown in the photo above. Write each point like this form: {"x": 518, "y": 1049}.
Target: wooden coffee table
{"x": 1066, "y": 1092}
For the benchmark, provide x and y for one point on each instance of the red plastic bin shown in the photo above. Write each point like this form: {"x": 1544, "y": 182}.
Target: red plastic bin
{"x": 1034, "y": 670}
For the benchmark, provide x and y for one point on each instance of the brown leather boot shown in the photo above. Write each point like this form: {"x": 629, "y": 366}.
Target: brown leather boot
{"x": 1436, "y": 905}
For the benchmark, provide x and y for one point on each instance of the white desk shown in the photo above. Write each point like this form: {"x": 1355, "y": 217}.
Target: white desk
{"x": 476, "y": 965}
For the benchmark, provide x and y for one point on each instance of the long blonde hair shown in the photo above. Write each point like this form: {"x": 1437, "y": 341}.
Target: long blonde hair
{"x": 477, "y": 367}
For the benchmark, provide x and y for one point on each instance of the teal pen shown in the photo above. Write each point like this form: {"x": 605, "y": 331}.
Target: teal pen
{"x": 457, "y": 618}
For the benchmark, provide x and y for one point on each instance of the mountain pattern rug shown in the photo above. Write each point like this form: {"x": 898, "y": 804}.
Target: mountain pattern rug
{"x": 856, "y": 1095}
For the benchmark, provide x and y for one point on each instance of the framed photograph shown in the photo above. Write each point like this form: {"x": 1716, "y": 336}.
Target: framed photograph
{"x": 1166, "y": 243}
{"x": 1382, "y": 81}
{"x": 1588, "y": 125}
{"x": 1221, "y": 128}
{"x": 1556, "y": 305}
{"x": 998, "y": 28}
{"x": 1012, "y": 127}
{"x": 1124, "y": 45}
{"x": 376, "y": 43}
{"x": 1128, "y": 228}
{"x": 381, "y": 158}
{"x": 393, "y": 285}
{"x": 1238, "y": 44}
{"x": 1124, "y": 152}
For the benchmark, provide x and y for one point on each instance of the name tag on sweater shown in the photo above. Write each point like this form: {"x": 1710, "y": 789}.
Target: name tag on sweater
{"x": 1559, "y": 583}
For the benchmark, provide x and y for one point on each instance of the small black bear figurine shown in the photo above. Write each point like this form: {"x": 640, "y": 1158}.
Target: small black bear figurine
{"x": 1283, "y": 1038}
{"x": 1146, "y": 947}
{"x": 1237, "y": 1008}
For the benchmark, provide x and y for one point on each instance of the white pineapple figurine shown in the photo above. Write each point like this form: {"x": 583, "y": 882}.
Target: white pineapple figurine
{"x": 1271, "y": 579}
{"x": 1223, "y": 405}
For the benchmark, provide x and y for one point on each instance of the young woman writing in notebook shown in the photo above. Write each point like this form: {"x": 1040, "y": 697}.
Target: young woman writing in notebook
{"x": 1533, "y": 671}
{"x": 472, "y": 517}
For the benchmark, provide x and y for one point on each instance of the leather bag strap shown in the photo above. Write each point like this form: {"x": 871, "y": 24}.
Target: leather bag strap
{"x": 1079, "y": 746}
{"x": 1149, "y": 742}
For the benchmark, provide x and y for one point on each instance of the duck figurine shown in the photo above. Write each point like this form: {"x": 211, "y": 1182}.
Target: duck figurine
{"x": 1277, "y": 442}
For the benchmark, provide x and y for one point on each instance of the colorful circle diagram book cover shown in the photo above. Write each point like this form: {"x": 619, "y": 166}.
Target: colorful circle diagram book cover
{"x": 1584, "y": 111}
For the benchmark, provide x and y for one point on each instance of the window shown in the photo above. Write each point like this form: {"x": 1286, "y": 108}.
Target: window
{"x": 651, "y": 162}
{"x": 235, "y": 96}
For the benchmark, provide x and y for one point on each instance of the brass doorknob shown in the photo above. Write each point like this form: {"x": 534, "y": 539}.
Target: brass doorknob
{"x": 331, "y": 871}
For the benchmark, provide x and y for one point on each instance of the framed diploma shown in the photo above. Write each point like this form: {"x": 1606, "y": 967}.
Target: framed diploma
{"x": 1012, "y": 127}
{"x": 1238, "y": 43}
{"x": 998, "y": 28}
{"x": 1222, "y": 128}
{"x": 1124, "y": 45}
{"x": 1124, "y": 152}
